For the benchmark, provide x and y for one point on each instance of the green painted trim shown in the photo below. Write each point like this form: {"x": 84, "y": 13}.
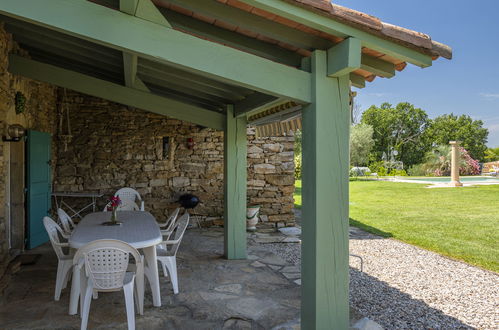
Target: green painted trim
{"x": 357, "y": 81}
{"x": 344, "y": 57}
{"x": 116, "y": 93}
{"x": 129, "y": 6}
{"x": 120, "y": 31}
{"x": 148, "y": 11}
{"x": 326, "y": 123}
{"x": 232, "y": 39}
{"x": 328, "y": 25}
{"x": 235, "y": 181}
{"x": 377, "y": 66}
{"x": 130, "y": 73}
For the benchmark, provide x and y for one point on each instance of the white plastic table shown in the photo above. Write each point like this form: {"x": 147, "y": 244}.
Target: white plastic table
{"x": 139, "y": 229}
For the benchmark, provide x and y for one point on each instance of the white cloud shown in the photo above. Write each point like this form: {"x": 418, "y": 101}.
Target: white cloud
{"x": 493, "y": 128}
{"x": 490, "y": 96}
{"x": 378, "y": 94}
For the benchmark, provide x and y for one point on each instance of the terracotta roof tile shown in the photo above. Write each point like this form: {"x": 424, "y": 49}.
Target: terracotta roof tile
{"x": 374, "y": 25}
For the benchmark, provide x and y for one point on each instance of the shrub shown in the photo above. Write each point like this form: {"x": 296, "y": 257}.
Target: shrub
{"x": 395, "y": 172}
{"x": 382, "y": 171}
{"x": 298, "y": 166}
{"x": 417, "y": 170}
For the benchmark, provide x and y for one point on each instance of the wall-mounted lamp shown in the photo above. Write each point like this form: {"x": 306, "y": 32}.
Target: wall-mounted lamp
{"x": 15, "y": 132}
{"x": 190, "y": 143}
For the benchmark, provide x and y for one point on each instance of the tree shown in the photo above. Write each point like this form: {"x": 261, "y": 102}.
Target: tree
{"x": 491, "y": 155}
{"x": 361, "y": 143}
{"x": 401, "y": 128}
{"x": 438, "y": 162}
{"x": 471, "y": 133}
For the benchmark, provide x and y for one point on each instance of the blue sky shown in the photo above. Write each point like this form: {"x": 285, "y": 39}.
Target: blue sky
{"x": 467, "y": 84}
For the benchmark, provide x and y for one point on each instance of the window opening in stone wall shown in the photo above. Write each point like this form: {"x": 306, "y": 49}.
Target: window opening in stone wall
{"x": 166, "y": 147}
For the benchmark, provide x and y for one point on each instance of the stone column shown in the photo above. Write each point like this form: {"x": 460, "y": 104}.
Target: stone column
{"x": 455, "y": 165}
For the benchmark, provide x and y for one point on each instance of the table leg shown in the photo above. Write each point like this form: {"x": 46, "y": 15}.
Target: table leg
{"x": 151, "y": 271}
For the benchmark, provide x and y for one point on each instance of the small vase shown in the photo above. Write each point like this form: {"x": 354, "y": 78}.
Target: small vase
{"x": 114, "y": 218}
{"x": 252, "y": 213}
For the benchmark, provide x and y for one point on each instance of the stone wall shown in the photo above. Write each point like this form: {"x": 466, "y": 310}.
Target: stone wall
{"x": 116, "y": 146}
{"x": 40, "y": 114}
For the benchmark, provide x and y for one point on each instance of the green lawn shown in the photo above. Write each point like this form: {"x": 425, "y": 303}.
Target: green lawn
{"x": 461, "y": 223}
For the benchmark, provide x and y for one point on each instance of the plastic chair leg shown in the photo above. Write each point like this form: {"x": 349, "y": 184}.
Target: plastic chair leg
{"x": 86, "y": 306}
{"x": 171, "y": 264}
{"x": 130, "y": 312}
{"x": 68, "y": 269}
{"x": 59, "y": 280}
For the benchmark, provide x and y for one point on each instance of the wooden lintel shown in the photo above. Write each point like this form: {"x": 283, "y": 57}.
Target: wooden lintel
{"x": 357, "y": 80}
{"x": 344, "y": 57}
{"x": 377, "y": 66}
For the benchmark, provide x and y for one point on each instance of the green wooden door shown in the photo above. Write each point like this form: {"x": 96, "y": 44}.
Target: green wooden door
{"x": 38, "y": 198}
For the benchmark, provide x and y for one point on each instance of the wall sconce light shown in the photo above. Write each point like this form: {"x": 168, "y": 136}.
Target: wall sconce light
{"x": 15, "y": 133}
{"x": 190, "y": 143}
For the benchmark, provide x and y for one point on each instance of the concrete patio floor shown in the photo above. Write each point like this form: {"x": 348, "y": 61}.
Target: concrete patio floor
{"x": 214, "y": 293}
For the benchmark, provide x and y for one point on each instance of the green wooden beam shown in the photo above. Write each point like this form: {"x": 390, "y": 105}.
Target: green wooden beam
{"x": 252, "y": 102}
{"x": 377, "y": 66}
{"x": 326, "y": 123}
{"x": 120, "y": 31}
{"x": 235, "y": 180}
{"x": 169, "y": 72}
{"x": 233, "y": 39}
{"x": 144, "y": 9}
{"x": 49, "y": 36}
{"x": 116, "y": 93}
{"x": 185, "y": 89}
{"x": 129, "y": 6}
{"x": 357, "y": 80}
{"x": 344, "y": 57}
{"x": 148, "y": 11}
{"x": 166, "y": 79}
{"x": 255, "y": 23}
{"x": 130, "y": 72}
{"x": 322, "y": 23}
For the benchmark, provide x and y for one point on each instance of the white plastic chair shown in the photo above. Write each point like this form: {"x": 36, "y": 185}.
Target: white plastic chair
{"x": 167, "y": 250}
{"x": 167, "y": 226}
{"x": 67, "y": 223}
{"x": 65, "y": 261}
{"x": 126, "y": 205}
{"x": 130, "y": 194}
{"x": 106, "y": 262}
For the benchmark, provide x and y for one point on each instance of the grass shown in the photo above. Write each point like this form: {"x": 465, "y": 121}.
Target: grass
{"x": 461, "y": 223}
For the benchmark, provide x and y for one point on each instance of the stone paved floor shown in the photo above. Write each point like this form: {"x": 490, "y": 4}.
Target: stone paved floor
{"x": 258, "y": 293}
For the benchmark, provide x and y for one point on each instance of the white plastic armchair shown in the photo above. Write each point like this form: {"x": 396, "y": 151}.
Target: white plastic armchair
{"x": 105, "y": 263}
{"x": 126, "y": 205}
{"x": 130, "y": 194}
{"x": 167, "y": 250}
{"x": 65, "y": 261}
{"x": 67, "y": 223}
{"x": 167, "y": 226}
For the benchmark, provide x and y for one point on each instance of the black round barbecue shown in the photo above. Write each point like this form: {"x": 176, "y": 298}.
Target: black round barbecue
{"x": 188, "y": 201}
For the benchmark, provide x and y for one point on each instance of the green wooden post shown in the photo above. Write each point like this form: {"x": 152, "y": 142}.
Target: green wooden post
{"x": 235, "y": 176}
{"x": 326, "y": 124}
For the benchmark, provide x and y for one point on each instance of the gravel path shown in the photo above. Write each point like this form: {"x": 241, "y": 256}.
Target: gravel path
{"x": 405, "y": 287}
